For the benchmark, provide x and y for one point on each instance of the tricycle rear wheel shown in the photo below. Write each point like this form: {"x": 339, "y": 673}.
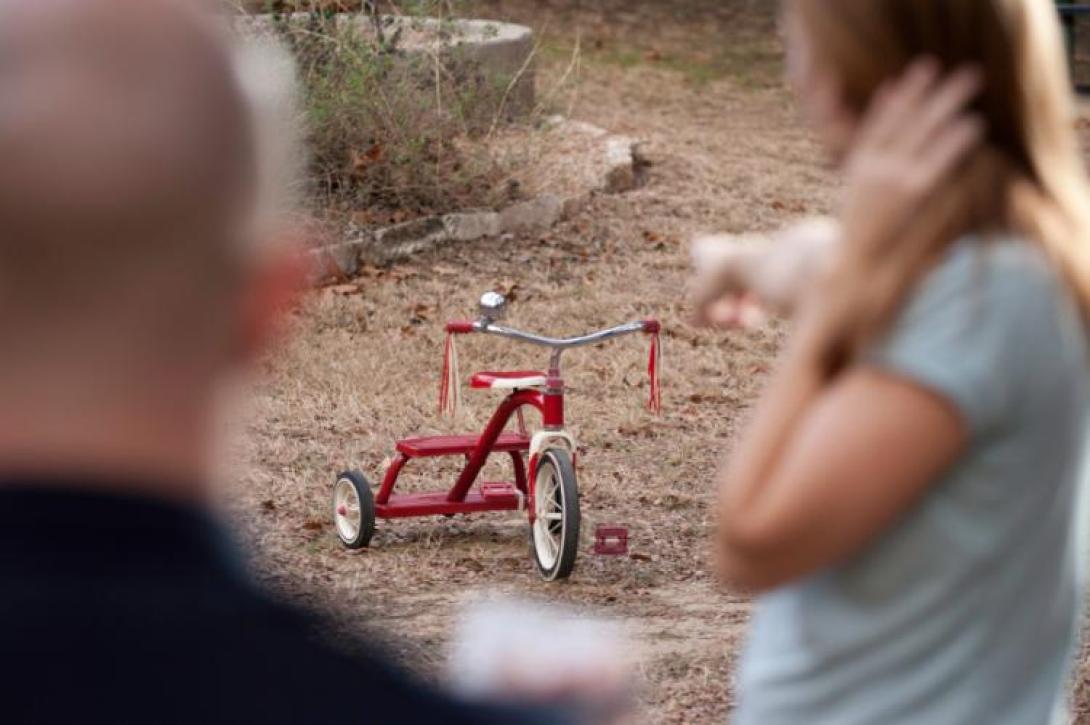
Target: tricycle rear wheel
{"x": 353, "y": 509}
{"x": 554, "y": 536}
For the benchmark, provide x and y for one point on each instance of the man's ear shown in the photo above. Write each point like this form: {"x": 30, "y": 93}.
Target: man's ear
{"x": 277, "y": 281}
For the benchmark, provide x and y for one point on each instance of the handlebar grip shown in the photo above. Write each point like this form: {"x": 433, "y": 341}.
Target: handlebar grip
{"x": 460, "y": 327}
{"x": 652, "y": 327}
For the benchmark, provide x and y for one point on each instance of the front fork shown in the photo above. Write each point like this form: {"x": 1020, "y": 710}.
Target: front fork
{"x": 542, "y": 441}
{"x": 550, "y": 404}
{"x": 552, "y": 415}
{"x": 543, "y": 402}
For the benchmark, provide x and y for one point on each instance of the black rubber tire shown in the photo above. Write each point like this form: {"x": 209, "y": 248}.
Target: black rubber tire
{"x": 559, "y": 460}
{"x": 366, "y": 498}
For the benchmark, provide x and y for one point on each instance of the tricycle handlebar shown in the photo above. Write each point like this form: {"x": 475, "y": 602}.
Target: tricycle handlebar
{"x": 490, "y": 328}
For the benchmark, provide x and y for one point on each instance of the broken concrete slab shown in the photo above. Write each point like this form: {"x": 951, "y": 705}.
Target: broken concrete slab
{"x": 603, "y": 163}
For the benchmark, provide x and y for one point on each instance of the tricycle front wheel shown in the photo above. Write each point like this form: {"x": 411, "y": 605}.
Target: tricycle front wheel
{"x": 554, "y": 536}
{"x": 354, "y": 509}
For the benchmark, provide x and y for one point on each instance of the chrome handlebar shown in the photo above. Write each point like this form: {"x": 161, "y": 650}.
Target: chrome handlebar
{"x": 488, "y": 327}
{"x": 494, "y": 305}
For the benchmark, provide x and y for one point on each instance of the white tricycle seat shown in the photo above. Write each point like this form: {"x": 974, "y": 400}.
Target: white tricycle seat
{"x": 515, "y": 380}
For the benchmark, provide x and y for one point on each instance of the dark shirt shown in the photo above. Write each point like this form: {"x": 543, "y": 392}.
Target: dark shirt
{"x": 122, "y": 610}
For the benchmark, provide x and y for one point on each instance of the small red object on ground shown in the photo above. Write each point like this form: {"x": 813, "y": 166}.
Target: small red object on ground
{"x": 611, "y": 540}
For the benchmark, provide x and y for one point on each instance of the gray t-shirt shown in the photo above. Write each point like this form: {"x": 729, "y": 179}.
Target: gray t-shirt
{"x": 966, "y": 610}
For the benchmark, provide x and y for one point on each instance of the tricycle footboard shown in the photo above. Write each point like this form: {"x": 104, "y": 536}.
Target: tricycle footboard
{"x": 499, "y": 497}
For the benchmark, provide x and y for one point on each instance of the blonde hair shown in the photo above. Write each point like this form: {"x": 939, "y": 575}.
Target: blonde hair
{"x": 1026, "y": 177}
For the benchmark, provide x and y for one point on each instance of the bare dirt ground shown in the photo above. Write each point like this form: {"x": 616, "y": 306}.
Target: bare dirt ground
{"x": 701, "y": 88}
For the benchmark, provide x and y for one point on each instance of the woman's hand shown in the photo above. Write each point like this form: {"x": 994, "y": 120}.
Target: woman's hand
{"x": 738, "y": 279}
{"x": 916, "y": 131}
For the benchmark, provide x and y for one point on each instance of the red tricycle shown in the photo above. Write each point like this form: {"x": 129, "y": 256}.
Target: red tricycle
{"x": 544, "y": 485}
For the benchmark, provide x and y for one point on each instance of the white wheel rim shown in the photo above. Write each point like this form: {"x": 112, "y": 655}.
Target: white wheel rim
{"x": 549, "y": 521}
{"x": 346, "y": 510}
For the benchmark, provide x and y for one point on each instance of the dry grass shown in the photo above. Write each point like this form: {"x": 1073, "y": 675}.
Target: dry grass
{"x": 363, "y": 368}
{"x": 363, "y": 371}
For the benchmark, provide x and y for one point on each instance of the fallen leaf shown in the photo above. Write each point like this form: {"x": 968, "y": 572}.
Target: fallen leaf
{"x": 636, "y": 431}
{"x": 400, "y": 274}
{"x": 364, "y": 217}
{"x": 471, "y": 564}
{"x": 509, "y": 289}
{"x": 795, "y": 207}
{"x": 419, "y": 314}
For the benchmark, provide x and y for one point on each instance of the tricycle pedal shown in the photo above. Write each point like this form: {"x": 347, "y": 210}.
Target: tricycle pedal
{"x": 491, "y": 491}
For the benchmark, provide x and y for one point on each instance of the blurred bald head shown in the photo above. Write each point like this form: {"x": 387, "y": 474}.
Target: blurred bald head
{"x": 139, "y": 148}
{"x": 127, "y": 170}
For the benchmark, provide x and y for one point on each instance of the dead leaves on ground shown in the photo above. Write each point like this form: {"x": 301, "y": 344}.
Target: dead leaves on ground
{"x": 343, "y": 290}
{"x": 793, "y": 207}
{"x": 661, "y": 242}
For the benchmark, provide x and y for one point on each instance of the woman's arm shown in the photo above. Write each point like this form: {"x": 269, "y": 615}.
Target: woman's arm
{"x": 774, "y": 273}
{"x": 822, "y": 470}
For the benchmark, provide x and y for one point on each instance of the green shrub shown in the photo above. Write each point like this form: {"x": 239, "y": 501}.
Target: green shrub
{"x": 387, "y": 131}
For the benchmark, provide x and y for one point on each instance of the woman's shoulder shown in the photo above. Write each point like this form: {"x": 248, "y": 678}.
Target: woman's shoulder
{"x": 975, "y": 326}
{"x": 996, "y": 277}
{"x": 1004, "y": 263}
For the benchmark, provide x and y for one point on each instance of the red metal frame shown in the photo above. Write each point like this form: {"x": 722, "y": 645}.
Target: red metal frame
{"x": 493, "y": 496}
{"x": 490, "y": 496}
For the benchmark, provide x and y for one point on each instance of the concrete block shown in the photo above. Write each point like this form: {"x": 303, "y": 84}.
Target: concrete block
{"x": 334, "y": 261}
{"x": 539, "y": 213}
{"x": 468, "y": 226}
{"x": 572, "y": 126}
{"x": 404, "y": 240}
{"x": 573, "y": 205}
{"x": 494, "y": 59}
{"x": 620, "y": 165}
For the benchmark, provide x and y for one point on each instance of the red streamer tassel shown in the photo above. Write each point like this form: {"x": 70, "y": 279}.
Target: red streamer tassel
{"x": 654, "y": 372}
{"x": 448, "y": 394}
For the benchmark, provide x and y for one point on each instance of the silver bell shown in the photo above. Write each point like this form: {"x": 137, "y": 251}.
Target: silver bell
{"x": 493, "y": 306}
